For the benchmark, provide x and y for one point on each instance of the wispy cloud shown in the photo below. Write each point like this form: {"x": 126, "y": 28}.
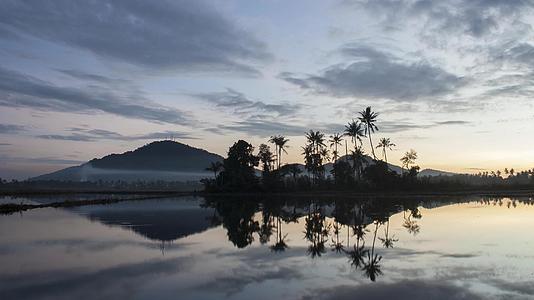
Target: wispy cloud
{"x": 241, "y": 104}
{"x": 11, "y": 128}
{"x": 92, "y": 135}
{"x": 19, "y": 90}
{"x": 177, "y": 35}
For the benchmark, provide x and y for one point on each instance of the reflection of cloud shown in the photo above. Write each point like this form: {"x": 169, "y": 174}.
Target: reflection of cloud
{"x": 413, "y": 290}
{"x": 118, "y": 282}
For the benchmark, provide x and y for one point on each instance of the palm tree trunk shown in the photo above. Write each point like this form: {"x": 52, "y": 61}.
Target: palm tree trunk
{"x": 371, "y": 143}
{"x": 279, "y": 156}
{"x": 346, "y": 151}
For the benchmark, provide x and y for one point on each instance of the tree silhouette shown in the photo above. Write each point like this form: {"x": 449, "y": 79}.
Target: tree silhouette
{"x": 239, "y": 166}
{"x": 335, "y": 140}
{"x": 385, "y": 144}
{"x": 280, "y": 142}
{"x": 408, "y": 158}
{"x": 215, "y": 167}
{"x": 355, "y": 131}
{"x": 368, "y": 117}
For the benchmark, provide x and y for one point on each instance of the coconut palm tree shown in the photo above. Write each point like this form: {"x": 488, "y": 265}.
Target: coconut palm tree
{"x": 280, "y": 142}
{"x": 335, "y": 140}
{"x": 316, "y": 139}
{"x": 408, "y": 158}
{"x": 358, "y": 159}
{"x": 368, "y": 117}
{"x": 385, "y": 144}
{"x": 355, "y": 131}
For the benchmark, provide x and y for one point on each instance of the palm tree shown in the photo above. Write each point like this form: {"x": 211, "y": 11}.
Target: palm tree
{"x": 356, "y": 131}
{"x": 215, "y": 167}
{"x": 335, "y": 140}
{"x": 280, "y": 142}
{"x": 368, "y": 117}
{"x": 385, "y": 144}
{"x": 316, "y": 139}
{"x": 358, "y": 159}
{"x": 408, "y": 158}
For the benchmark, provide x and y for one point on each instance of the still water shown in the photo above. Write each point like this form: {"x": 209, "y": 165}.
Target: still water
{"x": 242, "y": 248}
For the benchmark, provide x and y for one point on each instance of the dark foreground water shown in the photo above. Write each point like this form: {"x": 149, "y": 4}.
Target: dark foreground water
{"x": 187, "y": 248}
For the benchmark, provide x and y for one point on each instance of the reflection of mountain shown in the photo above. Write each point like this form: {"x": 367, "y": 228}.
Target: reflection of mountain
{"x": 163, "y": 160}
{"x": 161, "y": 220}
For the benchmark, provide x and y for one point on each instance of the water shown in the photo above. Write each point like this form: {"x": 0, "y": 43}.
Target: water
{"x": 196, "y": 248}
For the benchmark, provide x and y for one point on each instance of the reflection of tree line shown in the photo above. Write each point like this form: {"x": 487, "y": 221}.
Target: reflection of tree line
{"x": 354, "y": 218}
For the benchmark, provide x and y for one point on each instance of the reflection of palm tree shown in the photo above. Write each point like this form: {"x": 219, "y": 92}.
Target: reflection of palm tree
{"x": 316, "y": 232}
{"x": 368, "y": 117}
{"x": 337, "y": 245}
{"x": 411, "y": 225}
{"x": 356, "y": 256}
{"x": 371, "y": 267}
{"x": 266, "y": 228}
{"x": 280, "y": 244}
{"x": 388, "y": 241}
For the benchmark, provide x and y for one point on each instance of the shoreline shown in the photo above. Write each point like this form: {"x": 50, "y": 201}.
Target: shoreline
{"x": 7, "y": 209}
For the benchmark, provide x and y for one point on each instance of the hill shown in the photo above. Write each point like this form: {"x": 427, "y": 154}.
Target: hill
{"x": 161, "y": 160}
{"x": 369, "y": 161}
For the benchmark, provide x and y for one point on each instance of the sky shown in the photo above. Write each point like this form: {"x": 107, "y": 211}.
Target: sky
{"x": 451, "y": 79}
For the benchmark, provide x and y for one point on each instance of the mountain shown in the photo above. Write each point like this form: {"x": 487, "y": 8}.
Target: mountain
{"x": 432, "y": 172}
{"x": 161, "y": 160}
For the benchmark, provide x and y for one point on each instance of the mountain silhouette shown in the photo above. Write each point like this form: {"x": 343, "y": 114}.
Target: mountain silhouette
{"x": 368, "y": 160}
{"x": 161, "y": 160}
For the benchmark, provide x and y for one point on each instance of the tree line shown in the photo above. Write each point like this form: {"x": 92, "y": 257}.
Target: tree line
{"x": 349, "y": 167}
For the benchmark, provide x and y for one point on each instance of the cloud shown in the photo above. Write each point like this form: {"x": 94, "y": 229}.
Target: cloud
{"x": 90, "y": 77}
{"x": 176, "y": 35}
{"x": 5, "y": 144}
{"x": 41, "y": 160}
{"x": 10, "y": 128}
{"x": 373, "y": 74}
{"x": 264, "y": 128}
{"x": 241, "y": 104}
{"x": 19, "y": 90}
{"x": 400, "y": 126}
{"x": 92, "y": 135}
{"x": 474, "y": 18}
{"x": 409, "y": 289}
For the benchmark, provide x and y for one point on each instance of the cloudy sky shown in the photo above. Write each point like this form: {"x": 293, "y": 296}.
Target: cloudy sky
{"x": 450, "y": 79}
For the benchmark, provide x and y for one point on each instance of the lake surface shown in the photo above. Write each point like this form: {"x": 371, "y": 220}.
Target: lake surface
{"x": 294, "y": 248}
